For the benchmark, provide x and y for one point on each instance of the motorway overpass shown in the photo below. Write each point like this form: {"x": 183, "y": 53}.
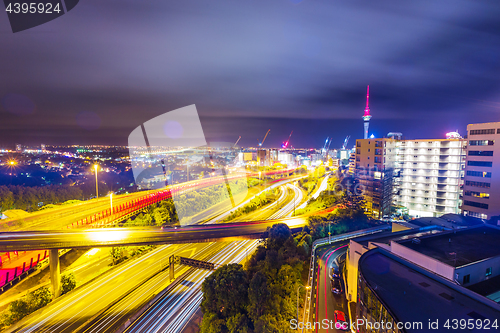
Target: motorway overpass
{"x": 106, "y": 237}
{"x": 88, "y": 238}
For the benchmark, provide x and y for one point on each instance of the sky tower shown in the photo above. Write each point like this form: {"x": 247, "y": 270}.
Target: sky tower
{"x": 367, "y": 115}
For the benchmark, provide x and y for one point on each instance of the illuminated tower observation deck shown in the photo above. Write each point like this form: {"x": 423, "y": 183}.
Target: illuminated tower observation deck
{"x": 367, "y": 115}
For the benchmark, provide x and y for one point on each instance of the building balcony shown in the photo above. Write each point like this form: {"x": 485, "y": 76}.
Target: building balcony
{"x": 436, "y": 205}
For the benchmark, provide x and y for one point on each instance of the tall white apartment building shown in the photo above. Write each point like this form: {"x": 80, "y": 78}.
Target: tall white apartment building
{"x": 482, "y": 173}
{"x": 430, "y": 176}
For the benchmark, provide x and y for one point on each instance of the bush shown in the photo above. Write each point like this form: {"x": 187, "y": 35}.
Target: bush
{"x": 118, "y": 254}
{"x": 26, "y": 305}
{"x": 68, "y": 283}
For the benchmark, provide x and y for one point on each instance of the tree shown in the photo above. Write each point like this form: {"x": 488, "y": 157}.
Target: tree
{"x": 258, "y": 296}
{"x": 238, "y": 324}
{"x": 277, "y": 235}
{"x": 68, "y": 283}
{"x": 6, "y": 198}
{"x": 18, "y": 309}
{"x": 118, "y": 254}
{"x": 266, "y": 323}
{"x": 28, "y": 304}
{"x": 211, "y": 323}
{"x": 225, "y": 294}
{"x": 39, "y": 298}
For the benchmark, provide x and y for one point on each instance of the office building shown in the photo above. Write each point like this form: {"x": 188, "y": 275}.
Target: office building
{"x": 375, "y": 162}
{"x": 285, "y": 158}
{"x": 481, "y": 196}
{"x": 424, "y": 176}
{"x": 407, "y": 298}
{"x": 352, "y": 163}
{"x": 244, "y": 157}
{"x": 393, "y": 276}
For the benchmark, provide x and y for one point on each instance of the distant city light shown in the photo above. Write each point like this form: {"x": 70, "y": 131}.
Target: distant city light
{"x": 453, "y": 135}
{"x": 372, "y": 136}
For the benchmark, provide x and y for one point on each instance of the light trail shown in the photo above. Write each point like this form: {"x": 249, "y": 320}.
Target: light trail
{"x": 171, "y": 318}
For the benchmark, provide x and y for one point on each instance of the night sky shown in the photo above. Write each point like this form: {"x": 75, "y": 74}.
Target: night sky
{"x": 96, "y": 73}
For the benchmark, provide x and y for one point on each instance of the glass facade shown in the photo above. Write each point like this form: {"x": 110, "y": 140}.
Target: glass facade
{"x": 373, "y": 312}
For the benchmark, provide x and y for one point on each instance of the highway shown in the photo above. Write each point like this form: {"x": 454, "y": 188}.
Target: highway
{"x": 77, "y": 309}
{"x": 61, "y": 216}
{"x": 278, "y": 184}
{"x": 289, "y": 196}
{"x": 172, "y": 312}
{"x": 115, "y": 316}
{"x": 104, "y": 303}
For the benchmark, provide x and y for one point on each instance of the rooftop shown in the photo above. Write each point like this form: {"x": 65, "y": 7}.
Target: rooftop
{"x": 459, "y": 247}
{"x": 450, "y": 221}
{"x": 388, "y": 236}
{"x": 487, "y": 287}
{"x": 414, "y": 295}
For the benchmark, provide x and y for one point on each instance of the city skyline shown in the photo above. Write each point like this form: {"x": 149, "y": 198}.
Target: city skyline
{"x": 291, "y": 71}
{"x": 249, "y": 166}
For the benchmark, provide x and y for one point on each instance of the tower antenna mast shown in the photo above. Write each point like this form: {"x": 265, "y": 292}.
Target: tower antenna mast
{"x": 367, "y": 116}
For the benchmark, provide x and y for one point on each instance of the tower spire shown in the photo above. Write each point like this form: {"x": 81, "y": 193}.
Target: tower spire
{"x": 367, "y": 109}
{"x": 367, "y": 116}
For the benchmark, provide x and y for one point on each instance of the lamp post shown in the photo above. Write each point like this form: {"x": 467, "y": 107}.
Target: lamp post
{"x": 96, "y": 184}
{"x": 307, "y": 288}
{"x": 329, "y": 232}
{"x": 111, "y": 201}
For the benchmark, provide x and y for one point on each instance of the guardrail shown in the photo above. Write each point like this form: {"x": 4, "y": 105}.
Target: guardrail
{"x": 329, "y": 240}
{"x": 39, "y": 265}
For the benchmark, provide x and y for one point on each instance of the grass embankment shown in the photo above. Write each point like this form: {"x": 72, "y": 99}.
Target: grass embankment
{"x": 258, "y": 202}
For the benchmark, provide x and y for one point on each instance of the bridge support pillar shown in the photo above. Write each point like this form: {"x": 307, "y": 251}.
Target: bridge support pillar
{"x": 55, "y": 273}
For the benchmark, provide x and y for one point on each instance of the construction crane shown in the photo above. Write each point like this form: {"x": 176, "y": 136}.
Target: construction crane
{"x": 237, "y": 141}
{"x": 324, "y": 146}
{"x": 344, "y": 146}
{"x": 285, "y": 144}
{"x": 328, "y": 147}
{"x": 265, "y": 136}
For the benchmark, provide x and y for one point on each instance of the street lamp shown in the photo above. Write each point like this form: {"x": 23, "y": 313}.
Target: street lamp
{"x": 307, "y": 288}
{"x": 111, "y": 201}
{"x": 329, "y": 232}
{"x": 96, "y": 184}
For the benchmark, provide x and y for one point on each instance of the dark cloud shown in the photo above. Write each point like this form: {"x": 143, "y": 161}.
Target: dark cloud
{"x": 251, "y": 65}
